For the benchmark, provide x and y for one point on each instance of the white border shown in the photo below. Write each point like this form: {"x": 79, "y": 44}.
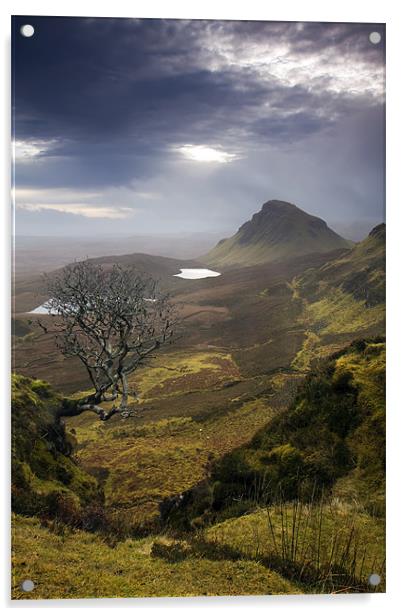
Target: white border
{"x": 308, "y": 10}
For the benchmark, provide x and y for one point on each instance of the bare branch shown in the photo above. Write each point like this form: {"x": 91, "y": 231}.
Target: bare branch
{"x": 112, "y": 319}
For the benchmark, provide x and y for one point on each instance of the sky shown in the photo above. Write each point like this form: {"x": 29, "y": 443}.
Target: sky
{"x": 136, "y": 126}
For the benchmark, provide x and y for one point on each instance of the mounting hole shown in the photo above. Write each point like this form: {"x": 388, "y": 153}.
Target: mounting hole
{"x": 375, "y": 38}
{"x": 27, "y": 30}
{"x": 27, "y": 585}
{"x": 374, "y": 579}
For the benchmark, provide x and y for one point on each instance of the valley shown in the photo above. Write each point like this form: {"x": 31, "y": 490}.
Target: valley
{"x": 290, "y": 295}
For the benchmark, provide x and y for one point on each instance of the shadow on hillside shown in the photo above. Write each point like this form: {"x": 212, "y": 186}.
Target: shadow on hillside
{"x": 328, "y": 577}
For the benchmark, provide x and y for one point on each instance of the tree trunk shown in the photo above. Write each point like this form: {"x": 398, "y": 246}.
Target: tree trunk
{"x": 72, "y": 408}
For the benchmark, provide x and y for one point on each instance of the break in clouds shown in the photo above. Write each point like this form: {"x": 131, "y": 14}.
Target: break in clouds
{"x": 133, "y": 126}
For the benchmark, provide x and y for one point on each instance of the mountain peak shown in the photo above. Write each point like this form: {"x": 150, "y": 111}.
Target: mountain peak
{"x": 276, "y": 204}
{"x": 275, "y": 207}
{"x": 280, "y": 230}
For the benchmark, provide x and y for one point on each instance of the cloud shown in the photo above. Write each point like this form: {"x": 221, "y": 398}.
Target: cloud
{"x": 25, "y": 149}
{"x": 78, "y": 209}
{"x": 323, "y": 56}
{"x": 118, "y": 124}
{"x": 149, "y": 82}
{"x": 84, "y": 203}
{"x": 204, "y": 153}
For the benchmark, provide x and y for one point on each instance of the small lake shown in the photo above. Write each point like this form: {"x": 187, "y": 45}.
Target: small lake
{"x": 194, "y": 273}
{"x": 43, "y": 309}
{"x": 46, "y": 309}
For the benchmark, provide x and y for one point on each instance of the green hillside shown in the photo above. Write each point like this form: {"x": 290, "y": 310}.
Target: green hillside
{"x": 329, "y": 442}
{"x": 359, "y": 273}
{"x": 136, "y": 567}
{"x": 254, "y": 464}
{"x": 342, "y": 300}
{"x": 44, "y": 475}
{"x": 279, "y": 231}
{"x": 261, "y": 525}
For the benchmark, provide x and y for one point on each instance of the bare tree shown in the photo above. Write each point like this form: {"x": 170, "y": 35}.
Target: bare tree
{"x": 112, "y": 319}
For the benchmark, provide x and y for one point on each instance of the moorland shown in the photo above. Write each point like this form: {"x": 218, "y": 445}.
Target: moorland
{"x": 255, "y": 461}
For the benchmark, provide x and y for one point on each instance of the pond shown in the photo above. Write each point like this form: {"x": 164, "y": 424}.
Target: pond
{"x": 43, "y": 309}
{"x": 46, "y": 309}
{"x": 192, "y": 273}
{"x": 196, "y": 273}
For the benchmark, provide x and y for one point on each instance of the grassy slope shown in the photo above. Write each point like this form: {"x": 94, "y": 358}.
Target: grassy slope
{"x": 203, "y": 400}
{"x": 209, "y": 410}
{"x": 305, "y": 536}
{"x": 279, "y": 231}
{"x": 251, "y": 533}
{"x": 216, "y": 314}
{"x": 331, "y": 438}
{"x": 230, "y": 252}
{"x": 342, "y": 300}
{"x": 366, "y": 482}
{"x": 142, "y": 463}
{"x": 238, "y": 555}
{"x": 42, "y": 467}
{"x": 87, "y": 567}
{"x": 264, "y": 316}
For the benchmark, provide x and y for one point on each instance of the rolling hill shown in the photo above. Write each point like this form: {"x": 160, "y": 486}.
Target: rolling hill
{"x": 342, "y": 300}
{"x": 359, "y": 272}
{"x": 279, "y": 231}
{"x": 330, "y": 439}
{"x": 258, "y": 387}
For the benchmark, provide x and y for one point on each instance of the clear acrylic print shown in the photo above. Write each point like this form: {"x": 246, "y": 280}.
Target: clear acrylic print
{"x": 198, "y": 402}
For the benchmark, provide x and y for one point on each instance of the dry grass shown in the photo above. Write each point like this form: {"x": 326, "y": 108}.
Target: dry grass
{"x": 328, "y": 547}
{"x": 145, "y": 464}
{"x": 81, "y": 565}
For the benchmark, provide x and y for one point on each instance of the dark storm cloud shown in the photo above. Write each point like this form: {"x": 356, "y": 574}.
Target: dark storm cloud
{"x": 100, "y": 79}
{"x": 318, "y": 37}
{"x": 105, "y": 102}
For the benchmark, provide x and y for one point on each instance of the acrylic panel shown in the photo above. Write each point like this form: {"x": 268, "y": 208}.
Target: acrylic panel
{"x": 198, "y": 401}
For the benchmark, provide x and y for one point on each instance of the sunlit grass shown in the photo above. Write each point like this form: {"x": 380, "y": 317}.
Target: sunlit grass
{"x": 329, "y": 546}
{"x": 146, "y": 463}
{"x": 78, "y": 564}
{"x": 338, "y": 312}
